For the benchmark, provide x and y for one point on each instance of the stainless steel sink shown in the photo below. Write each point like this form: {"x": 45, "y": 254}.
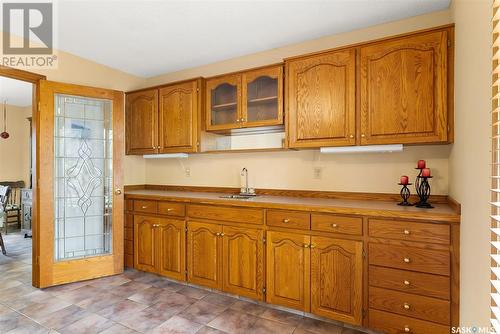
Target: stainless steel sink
{"x": 238, "y": 196}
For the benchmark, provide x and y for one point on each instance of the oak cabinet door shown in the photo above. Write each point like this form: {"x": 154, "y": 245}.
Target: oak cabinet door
{"x": 171, "y": 248}
{"x": 204, "y": 266}
{"x": 145, "y": 243}
{"x": 404, "y": 90}
{"x": 287, "y": 271}
{"x": 321, "y": 101}
{"x": 223, "y": 103}
{"x": 337, "y": 279}
{"x": 141, "y": 125}
{"x": 242, "y": 261}
{"x": 179, "y": 118}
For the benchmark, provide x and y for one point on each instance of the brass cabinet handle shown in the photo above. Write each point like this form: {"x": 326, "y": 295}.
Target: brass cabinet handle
{"x": 237, "y": 120}
{"x": 406, "y": 306}
{"x": 144, "y": 207}
{"x": 407, "y": 329}
{"x": 156, "y": 225}
{"x": 286, "y": 220}
{"x": 406, "y": 260}
{"x": 351, "y": 136}
{"x": 222, "y": 234}
{"x": 363, "y": 135}
{"x": 217, "y": 234}
{"x": 407, "y": 232}
{"x": 312, "y": 245}
{"x": 170, "y": 209}
{"x": 405, "y": 282}
{"x": 334, "y": 225}
{"x": 306, "y": 245}
{"x": 118, "y": 191}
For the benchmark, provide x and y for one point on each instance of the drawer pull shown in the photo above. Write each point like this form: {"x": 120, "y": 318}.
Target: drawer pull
{"x": 406, "y": 306}
{"x": 312, "y": 245}
{"x": 286, "y": 220}
{"x": 406, "y": 260}
{"x": 334, "y": 225}
{"x": 156, "y": 225}
{"x": 222, "y": 234}
{"x": 170, "y": 209}
{"x": 406, "y": 232}
{"x": 306, "y": 245}
{"x": 144, "y": 207}
{"x": 217, "y": 234}
{"x": 406, "y": 282}
{"x": 407, "y": 329}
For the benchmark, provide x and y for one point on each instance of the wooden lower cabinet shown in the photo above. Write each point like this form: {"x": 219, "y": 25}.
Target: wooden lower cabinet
{"x": 337, "y": 279}
{"x": 242, "y": 261}
{"x": 160, "y": 246}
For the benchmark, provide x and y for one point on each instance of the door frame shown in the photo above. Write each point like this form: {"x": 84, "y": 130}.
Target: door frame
{"x": 34, "y": 79}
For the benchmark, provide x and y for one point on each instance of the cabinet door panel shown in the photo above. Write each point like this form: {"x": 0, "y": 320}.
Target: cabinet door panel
{"x": 171, "y": 248}
{"x": 141, "y": 129}
{"x": 336, "y": 279}
{"x": 403, "y": 90}
{"x": 321, "y": 100}
{"x": 179, "y": 118}
{"x": 223, "y": 103}
{"x": 145, "y": 243}
{"x": 242, "y": 257}
{"x": 288, "y": 270}
{"x": 204, "y": 254}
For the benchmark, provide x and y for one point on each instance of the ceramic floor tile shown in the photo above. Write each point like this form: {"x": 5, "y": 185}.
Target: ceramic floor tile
{"x": 193, "y": 292}
{"x": 122, "y": 310}
{"x": 282, "y": 316}
{"x": 110, "y": 281}
{"x": 210, "y": 330}
{"x": 219, "y": 299}
{"x": 168, "y": 285}
{"x": 100, "y": 301}
{"x": 177, "y": 325}
{"x": 232, "y": 321}
{"x": 79, "y": 294}
{"x": 319, "y": 327}
{"x": 248, "y": 307}
{"x": 39, "y": 310}
{"x": 128, "y": 289}
{"x": 202, "y": 312}
{"x": 27, "y": 326}
{"x": 264, "y": 326}
{"x": 118, "y": 329}
{"x": 64, "y": 317}
{"x": 150, "y": 295}
{"x": 90, "y": 324}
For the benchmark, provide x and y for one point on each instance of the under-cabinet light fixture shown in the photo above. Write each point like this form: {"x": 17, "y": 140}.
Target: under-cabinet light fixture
{"x": 166, "y": 156}
{"x": 363, "y": 149}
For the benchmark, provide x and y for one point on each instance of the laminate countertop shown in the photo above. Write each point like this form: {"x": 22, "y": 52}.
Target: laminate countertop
{"x": 366, "y": 207}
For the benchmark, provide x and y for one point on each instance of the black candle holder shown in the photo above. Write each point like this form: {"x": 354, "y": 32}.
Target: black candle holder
{"x": 405, "y": 194}
{"x": 423, "y": 191}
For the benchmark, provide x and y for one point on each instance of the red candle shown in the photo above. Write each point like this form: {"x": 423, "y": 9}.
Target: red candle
{"x": 426, "y": 172}
{"x": 421, "y": 164}
{"x": 404, "y": 180}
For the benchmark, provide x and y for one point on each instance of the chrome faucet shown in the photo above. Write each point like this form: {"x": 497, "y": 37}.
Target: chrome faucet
{"x": 246, "y": 191}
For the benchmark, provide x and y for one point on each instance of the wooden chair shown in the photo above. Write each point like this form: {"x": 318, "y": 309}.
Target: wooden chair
{"x": 12, "y": 204}
{"x": 4, "y": 192}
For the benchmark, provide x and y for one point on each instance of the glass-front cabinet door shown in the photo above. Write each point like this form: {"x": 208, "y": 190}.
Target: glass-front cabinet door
{"x": 223, "y": 102}
{"x": 262, "y": 97}
{"x": 80, "y": 151}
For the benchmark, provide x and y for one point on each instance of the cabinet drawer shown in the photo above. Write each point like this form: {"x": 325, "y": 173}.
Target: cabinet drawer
{"x": 408, "y": 281}
{"x": 410, "y": 231}
{"x": 424, "y": 308}
{"x": 396, "y": 324}
{"x": 171, "y": 209}
{"x": 222, "y": 213}
{"x": 145, "y": 206}
{"x": 291, "y": 219}
{"x": 337, "y": 224}
{"x": 410, "y": 258}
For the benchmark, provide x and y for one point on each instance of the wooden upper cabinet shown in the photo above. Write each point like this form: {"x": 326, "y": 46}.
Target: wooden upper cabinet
{"x": 242, "y": 261}
{"x": 337, "y": 279}
{"x": 403, "y": 93}
{"x": 145, "y": 243}
{"x": 246, "y": 99}
{"x": 179, "y": 118}
{"x": 321, "y": 100}
{"x": 204, "y": 253}
{"x": 223, "y": 102}
{"x": 141, "y": 127}
{"x": 171, "y": 248}
{"x": 288, "y": 270}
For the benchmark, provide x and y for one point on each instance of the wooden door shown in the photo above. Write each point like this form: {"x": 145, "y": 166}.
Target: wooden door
{"x": 404, "y": 90}
{"x": 242, "y": 261}
{"x": 223, "y": 103}
{"x": 321, "y": 100}
{"x": 79, "y": 180}
{"x": 262, "y": 97}
{"x": 337, "y": 279}
{"x": 171, "y": 235}
{"x": 145, "y": 243}
{"x": 179, "y": 117}
{"x": 287, "y": 271}
{"x": 204, "y": 253}
{"x": 141, "y": 126}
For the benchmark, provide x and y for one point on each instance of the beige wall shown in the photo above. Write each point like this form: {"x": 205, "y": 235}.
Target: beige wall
{"x": 14, "y": 151}
{"x": 294, "y": 170}
{"x": 470, "y": 157}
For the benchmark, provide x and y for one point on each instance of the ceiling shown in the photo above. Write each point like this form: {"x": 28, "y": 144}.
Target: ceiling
{"x": 148, "y": 38}
{"x": 16, "y": 92}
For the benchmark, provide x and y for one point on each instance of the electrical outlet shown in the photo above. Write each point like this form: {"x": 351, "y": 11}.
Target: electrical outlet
{"x": 317, "y": 172}
{"x": 188, "y": 172}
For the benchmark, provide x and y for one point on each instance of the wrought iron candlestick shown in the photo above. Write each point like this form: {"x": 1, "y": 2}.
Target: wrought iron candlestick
{"x": 423, "y": 191}
{"x": 405, "y": 194}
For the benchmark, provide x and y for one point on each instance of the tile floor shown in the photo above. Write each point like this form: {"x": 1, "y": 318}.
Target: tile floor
{"x": 133, "y": 302}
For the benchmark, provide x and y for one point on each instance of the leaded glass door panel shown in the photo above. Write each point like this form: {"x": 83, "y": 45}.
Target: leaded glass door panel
{"x": 81, "y": 201}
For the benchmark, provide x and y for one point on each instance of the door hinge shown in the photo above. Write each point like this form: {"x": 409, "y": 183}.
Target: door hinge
{"x": 186, "y": 229}
{"x": 38, "y": 106}
{"x": 449, "y": 43}
{"x": 263, "y": 291}
{"x": 264, "y": 240}
{"x": 197, "y": 89}
{"x": 364, "y": 254}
